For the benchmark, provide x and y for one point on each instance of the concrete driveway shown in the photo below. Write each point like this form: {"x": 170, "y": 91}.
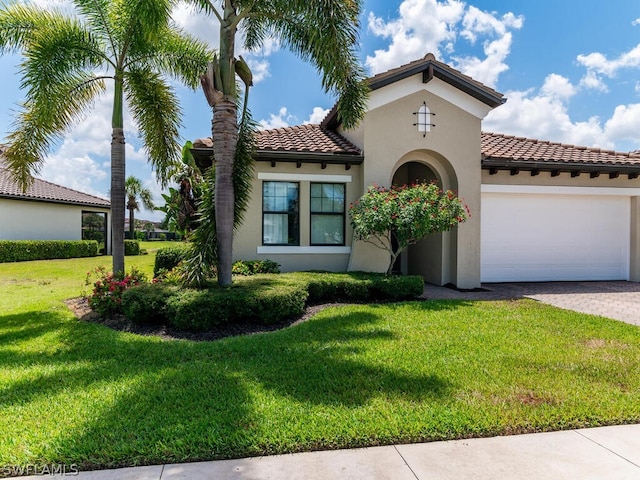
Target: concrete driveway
{"x": 617, "y": 300}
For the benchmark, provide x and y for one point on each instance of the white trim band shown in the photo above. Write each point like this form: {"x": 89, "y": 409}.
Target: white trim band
{"x": 559, "y": 190}
{"x": 304, "y": 177}
{"x": 284, "y": 250}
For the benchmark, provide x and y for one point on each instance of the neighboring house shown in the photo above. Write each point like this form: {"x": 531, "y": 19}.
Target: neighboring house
{"x": 539, "y": 210}
{"x": 47, "y": 211}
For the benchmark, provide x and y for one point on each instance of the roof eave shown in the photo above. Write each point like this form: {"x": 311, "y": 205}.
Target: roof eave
{"x": 514, "y": 166}
{"x": 204, "y": 157}
{"x": 52, "y": 200}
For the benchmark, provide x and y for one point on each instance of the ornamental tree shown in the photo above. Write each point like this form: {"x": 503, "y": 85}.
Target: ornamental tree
{"x": 394, "y": 218}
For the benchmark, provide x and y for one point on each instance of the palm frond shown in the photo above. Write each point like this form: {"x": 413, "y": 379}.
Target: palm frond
{"x": 156, "y": 111}
{"x": 96, "y": 13}
{"x": 325, "y": 33}
{"x": 176, "y": 54}
{"x": 44, "y": 118}
{"x": 18, "y": 21}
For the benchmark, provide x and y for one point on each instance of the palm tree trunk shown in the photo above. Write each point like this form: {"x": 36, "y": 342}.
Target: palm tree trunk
{"x": 117, "y": 198}
{"x": 225, "y": 134}
{"x": 132, "y": 221}
{"x": 117, "y": 177}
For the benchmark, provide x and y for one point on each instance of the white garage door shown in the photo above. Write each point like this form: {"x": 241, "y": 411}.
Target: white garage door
{"x": 545, "y": 237}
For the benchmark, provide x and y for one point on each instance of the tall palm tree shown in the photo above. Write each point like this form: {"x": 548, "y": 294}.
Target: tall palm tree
{"x": 324, "y": 32}
{"x": 134, "y": 191}
{"x": 67, "y": 62}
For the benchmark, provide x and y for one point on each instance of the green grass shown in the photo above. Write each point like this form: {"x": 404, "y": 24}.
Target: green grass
{"x": 76, "y": 392}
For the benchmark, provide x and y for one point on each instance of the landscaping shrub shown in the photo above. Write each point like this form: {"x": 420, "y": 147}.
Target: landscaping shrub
{"x": 255, "y": 267}
{"x": 359, "y": 286}
{"x": 131, "y": 247}
{"x": 147, "y": 303}
{"x": 168, "y": 258}
{"x": 396, "y": 287}
{"x": 25, "y": 250}
{"x": 259, "y": 299}
{"x": 106, "y": 296}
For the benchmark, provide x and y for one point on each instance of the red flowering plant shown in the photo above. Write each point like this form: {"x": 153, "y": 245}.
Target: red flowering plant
{"x": 394, "y": 218}
{"x": 106, "y": 296}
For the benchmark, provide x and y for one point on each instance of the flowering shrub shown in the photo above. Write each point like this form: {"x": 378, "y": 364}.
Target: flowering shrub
{"x": 106, "y": 296}
{"x": 405, "y": 214}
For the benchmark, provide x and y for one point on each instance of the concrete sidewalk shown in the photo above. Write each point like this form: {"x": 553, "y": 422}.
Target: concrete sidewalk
{"x": 611, "y": 453}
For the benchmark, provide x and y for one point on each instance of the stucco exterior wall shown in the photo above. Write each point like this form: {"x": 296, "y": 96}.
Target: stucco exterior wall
{"x": 452, "y": 150}
{"x": 31, "y": 220}
{"x": 248, "y": 239}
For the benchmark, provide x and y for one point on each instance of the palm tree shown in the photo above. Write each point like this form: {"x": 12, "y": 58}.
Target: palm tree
{"x": 134, "y": 191}
{"x": 67, "y": 61}
{"x": 324, "y": 32}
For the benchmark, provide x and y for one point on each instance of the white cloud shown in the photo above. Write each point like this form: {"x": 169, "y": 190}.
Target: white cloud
{"x": 279, "y": 120}
{"x": 425, "y": 26}
{"x": 422, "y": 27}
{"x": 477, "y": 22}
{"x": 197, "y": 23}
{"x": 623, "y": 125}
{"x": 488, "y": 69}
{"x": 598, "y": 66}
{"x": 79, "y": 172}
{"x": 636, "y": 22}
{"x": 317, "y": 115}
{"x": 544, "y": 115}
{"x": 259, "y": 69}
{"x": 557, "y": 86}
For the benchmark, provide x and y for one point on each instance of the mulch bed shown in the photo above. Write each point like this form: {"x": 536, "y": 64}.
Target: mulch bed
{"x": 80, "y": 307}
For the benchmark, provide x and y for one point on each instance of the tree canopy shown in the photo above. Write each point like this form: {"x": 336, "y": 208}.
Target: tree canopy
{"x": 67, "y": 62}
{"x": 394, "y": 218}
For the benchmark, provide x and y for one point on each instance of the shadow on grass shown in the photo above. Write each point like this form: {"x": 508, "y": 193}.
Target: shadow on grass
{"x": 142, "y": 400}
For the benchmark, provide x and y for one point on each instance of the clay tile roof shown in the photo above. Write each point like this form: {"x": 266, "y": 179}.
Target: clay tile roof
{"x": 520, "y": 149}
{"x": 305, "y": 138}
{"x": 42, "y": 190}
{"x": 302, "y": 138}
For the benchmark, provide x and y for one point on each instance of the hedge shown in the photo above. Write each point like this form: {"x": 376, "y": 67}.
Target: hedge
{"x": 168, "y": 258}
{"x": 260, "y": 298}
{"x": 25, "y": 250}
{"x": 359, "y": 286}
{"x": 131, "y": 247}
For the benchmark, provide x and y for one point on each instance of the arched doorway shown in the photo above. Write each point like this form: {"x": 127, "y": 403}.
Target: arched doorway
{"x": 433, "y": 257}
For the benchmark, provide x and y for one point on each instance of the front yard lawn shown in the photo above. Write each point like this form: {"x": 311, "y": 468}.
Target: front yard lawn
{"x": 77, "y": 392}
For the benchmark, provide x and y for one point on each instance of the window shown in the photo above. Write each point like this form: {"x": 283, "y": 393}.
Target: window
{"x": 280, "y": 213}
{"x": 327, "y": 213}
{"x": 94, "y": 227}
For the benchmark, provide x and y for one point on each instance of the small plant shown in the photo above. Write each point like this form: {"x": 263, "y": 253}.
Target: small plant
{"x": 106, "y": 296}
{"x": 255, "y": 267}
{"x": 131, "y": 247}
{"x": 168, "y": 258}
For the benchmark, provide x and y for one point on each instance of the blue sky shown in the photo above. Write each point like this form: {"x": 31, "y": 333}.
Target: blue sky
{"x": 570, "y": 71}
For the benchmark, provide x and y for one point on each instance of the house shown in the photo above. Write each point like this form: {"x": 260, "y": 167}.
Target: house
{"x": 539, "y": 211}
{"x": 47, "y": 211}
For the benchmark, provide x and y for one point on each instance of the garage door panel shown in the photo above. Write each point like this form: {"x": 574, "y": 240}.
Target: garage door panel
{"x": 534, "y": 237}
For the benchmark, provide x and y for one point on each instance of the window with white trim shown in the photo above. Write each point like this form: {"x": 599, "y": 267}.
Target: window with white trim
{"x": 327, "y": 213}
{"x": 280, "y": 213}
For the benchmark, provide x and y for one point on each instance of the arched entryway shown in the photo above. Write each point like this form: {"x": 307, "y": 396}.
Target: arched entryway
{"x": 434, "y": 257}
